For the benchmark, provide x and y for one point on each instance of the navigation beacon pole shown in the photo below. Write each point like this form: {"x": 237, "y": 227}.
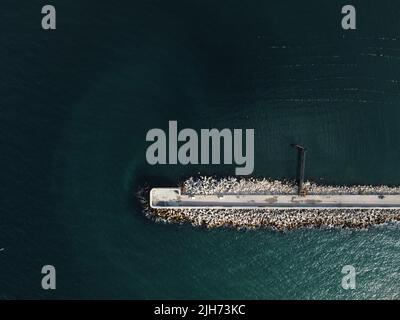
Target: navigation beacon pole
{"x": 302, "y": 161}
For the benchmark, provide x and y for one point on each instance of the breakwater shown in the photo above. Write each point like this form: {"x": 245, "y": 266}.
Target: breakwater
{"x": 270, "y": 218}
{"x": 232, "y": 185}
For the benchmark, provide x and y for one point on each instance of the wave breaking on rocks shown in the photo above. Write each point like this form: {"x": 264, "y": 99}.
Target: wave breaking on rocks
{"x": 285, "y": 219}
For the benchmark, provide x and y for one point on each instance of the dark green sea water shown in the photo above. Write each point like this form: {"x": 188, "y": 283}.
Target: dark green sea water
{"x": 76, "y": 103}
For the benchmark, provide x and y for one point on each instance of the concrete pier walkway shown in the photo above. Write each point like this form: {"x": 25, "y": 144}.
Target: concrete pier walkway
{"x": 170, "y": 198}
